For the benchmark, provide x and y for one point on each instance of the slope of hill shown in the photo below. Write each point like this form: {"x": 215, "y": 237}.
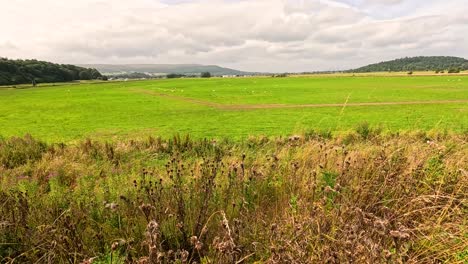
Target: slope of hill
{"x": 164, "y": 69}
{"x": 435, "y": 63}
{"x": 25, "y": 71}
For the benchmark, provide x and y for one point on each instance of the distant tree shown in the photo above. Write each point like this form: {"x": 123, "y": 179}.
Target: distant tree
{"x": 132, "y": 75}
{"x": 95, "y": 74}
{"x": 410, "y": 73}
{"x": 206, "y": 75}
{"x": 174, "y": 75}
{"x": 85, "y": 75}
{"x": 454, "y": 70}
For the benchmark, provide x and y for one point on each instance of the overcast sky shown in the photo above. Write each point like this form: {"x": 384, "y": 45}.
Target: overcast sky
{"x": 254, "y": 35}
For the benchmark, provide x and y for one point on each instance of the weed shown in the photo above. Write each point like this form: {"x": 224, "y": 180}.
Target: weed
{"x": 379, "y": 199}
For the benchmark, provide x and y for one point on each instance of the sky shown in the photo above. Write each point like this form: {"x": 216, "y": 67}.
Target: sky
{"x": 251, "y": 35}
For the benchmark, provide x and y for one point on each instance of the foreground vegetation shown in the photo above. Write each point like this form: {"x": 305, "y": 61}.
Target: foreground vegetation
{"x": 233, "y": 107}
{"x": 359, "y": 198}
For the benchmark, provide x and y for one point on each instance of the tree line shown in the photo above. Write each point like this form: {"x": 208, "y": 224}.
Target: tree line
{"x": 435, "y": 63}
{"x": 179, "y": 75}
{"x": 33, "y": 71}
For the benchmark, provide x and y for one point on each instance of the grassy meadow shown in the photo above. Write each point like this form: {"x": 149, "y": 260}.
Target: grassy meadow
{"x": 323, "y": 169}
{"x": 219, "y": 108}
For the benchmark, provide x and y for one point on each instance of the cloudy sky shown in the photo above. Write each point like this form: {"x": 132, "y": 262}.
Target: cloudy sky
{"x": 255, "y": 35}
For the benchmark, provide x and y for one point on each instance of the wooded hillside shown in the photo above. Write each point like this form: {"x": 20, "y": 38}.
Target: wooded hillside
{"x": 436, "y": 63}
{"x": 25, "y": 71}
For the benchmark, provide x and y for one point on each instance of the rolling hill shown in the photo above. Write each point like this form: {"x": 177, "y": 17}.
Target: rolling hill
{"x": 434, "y": 63}
{"x": 112, "y": 69}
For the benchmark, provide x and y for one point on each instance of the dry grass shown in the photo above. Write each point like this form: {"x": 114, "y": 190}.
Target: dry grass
{"x": 359, "y": 198}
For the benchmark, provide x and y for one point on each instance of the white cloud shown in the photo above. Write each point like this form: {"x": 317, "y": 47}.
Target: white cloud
{"x": 260, "y": 35}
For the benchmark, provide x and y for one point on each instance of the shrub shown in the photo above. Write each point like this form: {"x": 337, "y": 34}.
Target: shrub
{"x": 174, "y": 75}
{"x": 205, "y": 75}
{"x": 364, "y": 130}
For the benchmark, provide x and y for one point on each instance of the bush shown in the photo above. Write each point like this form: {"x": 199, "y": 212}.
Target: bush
{"x": 363, "y": 129}
{"x": 174, "y": 75}
{"x": 205, "y": 75}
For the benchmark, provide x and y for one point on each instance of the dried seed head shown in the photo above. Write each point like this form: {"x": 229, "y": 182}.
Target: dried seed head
{"x": 111, "y": 206}
{"x": 193, "y": 240}
{"x": 153, "y": 227}
{"x": 184, "y": 256}
{"x": 198, "y": 245}
{"x": 273, "y": 227}
{"x": 88, "y": 261}
{"x": 143, "y": 260}
{"x": 114, "y": 246}
{"x": 147, "y": 208}
{"x": 399, "y": 234}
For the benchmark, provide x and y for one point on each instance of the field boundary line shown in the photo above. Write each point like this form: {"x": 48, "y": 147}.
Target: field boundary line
{"x": 279, "y": 106}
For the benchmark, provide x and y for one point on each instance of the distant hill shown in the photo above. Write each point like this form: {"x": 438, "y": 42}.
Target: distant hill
{"x": 25, "y": 71}
{"x": 188, "y": 69}
{"x": 435, "y": 63}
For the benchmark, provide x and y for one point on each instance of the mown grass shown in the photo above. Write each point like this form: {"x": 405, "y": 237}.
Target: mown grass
{"x": 318, "y": 90}
{"x": 363, "y": 197}
{"x": 117, "y": 110}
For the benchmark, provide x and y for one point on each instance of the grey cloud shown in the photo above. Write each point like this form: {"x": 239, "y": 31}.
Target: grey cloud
{"x": 383, "y": 2}
{"x": 7, "y": 45}
{"x": 282, "y": 35}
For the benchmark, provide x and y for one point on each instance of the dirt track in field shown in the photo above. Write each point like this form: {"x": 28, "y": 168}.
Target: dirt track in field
{"x": 277, "y": 106}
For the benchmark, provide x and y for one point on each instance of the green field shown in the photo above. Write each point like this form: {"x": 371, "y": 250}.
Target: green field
{"x": 234, "y": 108}
{"x": 125, "y": 188}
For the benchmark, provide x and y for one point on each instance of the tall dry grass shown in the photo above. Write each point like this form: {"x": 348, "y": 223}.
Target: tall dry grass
{"x": 359, "y": 198}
